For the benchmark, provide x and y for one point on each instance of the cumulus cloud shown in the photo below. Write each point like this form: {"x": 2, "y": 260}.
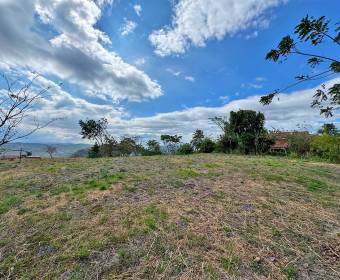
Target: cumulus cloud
{"x": 128, "y": 27}
{"x": 287, "y": 113}
{"x": 197, "y": 21}
{"x": 138, "y": 9}
{"x": 74, "y": 50}
{"x": 140, "y": 61}
{"x": 190, "y": 78}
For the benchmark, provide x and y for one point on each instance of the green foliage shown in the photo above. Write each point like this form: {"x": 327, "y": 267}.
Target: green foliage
{"x": 185, "y": 149}
{"x": 207, "y": 146}
{"x": 94, "y": 151}
{"x": 291, "y": 272}
{"x": 314, "y": 31}
{"x": 326, "y": 146}
{"x": 127, "y": 146}
{"x": 8, "y": 203}
{"x": 300, "y": 142}
{"x": 328, "y": 128}
{"x": 94, "y": 130}
{"x": 153, "y": 148}
{"x": 171, "y": 142}
{"x": 197, "y": 139}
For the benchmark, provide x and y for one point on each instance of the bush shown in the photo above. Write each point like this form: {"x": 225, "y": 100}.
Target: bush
{"x": 94, "y": 152}
{"x": 207, "y": 146}
{"x": 300, "y": 142}
{"x": 185, "y": 149}
{"x": 225, "y": 144}
{"x": 327, "y": 147}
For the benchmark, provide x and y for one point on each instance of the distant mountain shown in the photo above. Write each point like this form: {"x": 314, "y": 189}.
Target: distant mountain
{"x": 39, "y": 149}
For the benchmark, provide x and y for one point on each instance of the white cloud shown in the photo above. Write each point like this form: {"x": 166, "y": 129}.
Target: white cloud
{"x": 260, "y": 79}
{"x": 252, "y": 35}
{"x": 76, "y": 52}
{"x": 197, "y": 21}
{"x": 174, "y": 72}
{"x": 181, "y": 75}
{"x": 138, "y": 9}
{"x": 128, "y": 27}
{"x": 288, "y": 112}
{"x": 140, "y": 61}
{"x": 251, "y": 86}
{"x": 190, "y": 79}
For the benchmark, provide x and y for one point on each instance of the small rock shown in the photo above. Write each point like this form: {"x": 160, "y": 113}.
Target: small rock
{"x": 248, "y": 207}
{"x": 305, "y": 265}
{"x": 45, "y": 249}
{"x": 272, "y": 259}
{"x": 66, "y": 275}
{"x": 257, "y": 259}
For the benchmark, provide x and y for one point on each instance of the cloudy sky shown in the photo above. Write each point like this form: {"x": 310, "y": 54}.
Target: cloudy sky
{"x": 157, "y": 66}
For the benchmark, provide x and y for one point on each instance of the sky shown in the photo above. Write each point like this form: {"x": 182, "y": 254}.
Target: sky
{"x": 155, "y": 67}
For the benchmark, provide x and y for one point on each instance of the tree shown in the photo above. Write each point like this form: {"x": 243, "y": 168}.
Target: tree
{"x": 248, "y": 126}
{"x": 185, "y": 149}
{"x": 228, "y": 140}
{"x": 207, "y": 146}
{"x": 244, "y": 130}
{"x": 127, "y": 146}
{"x": 328, "y": 128}
{"x": 171, "y": 142}
{"x": 51, "y": 150}
{"x": 197, "y": 139}
{"x": 17, "y": 101}
{"x": 94, "y": 151}
{"x": 314, "y": 31}
{"x": 95, "y": 130}
{"x": 153, "y": 147}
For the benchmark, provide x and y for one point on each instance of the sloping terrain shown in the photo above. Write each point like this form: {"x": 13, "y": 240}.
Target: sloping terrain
{"x": 208, "y": 216}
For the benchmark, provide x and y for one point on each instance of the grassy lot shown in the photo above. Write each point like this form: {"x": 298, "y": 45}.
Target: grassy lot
{"x": 170, "y": 217}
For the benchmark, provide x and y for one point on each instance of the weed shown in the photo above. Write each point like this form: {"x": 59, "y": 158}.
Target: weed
{"x": 291, "y": 272}
{"x": 9, "y": 203}
{"x": 188, "y": 172}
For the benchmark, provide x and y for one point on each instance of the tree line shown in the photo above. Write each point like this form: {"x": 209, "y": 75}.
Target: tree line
{"x": 243, "y": 132}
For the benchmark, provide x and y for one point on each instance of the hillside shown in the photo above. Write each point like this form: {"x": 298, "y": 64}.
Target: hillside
{"x": 39, "y": 149}
{"x": 210, "y": 216}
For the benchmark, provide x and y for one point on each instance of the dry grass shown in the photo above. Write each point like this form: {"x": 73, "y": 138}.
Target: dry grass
{"x": 170, "y": 217}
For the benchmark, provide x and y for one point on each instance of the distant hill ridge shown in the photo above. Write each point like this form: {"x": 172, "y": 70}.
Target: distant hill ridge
{"x": 39, "y": 149}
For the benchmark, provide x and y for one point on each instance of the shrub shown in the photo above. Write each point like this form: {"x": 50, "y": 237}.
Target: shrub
{"x": 207, "y": 146}
{"x": 226, "y": 144}
{"x": 300, "y": 142}
{"x": 185, "y": 149}
{"x": 326, "y": 146}
{"x": 94, "y": 152}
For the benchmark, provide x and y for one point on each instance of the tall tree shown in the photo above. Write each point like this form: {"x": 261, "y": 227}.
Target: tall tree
{"x": 328, "y": 128}
{"x": 95, "y": 130}
{"x": 153, "y": 147}
{"x": 51, "y": 150}
{"x": 17, "y": 100}
{"x": 197, "y": 139}
{"x": 248, "y": 126}
{"x": 171, "y": 142}
{"x": 314, "y": 31}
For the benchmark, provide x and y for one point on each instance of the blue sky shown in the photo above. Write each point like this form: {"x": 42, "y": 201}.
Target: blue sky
{"x": 158, "y": 66}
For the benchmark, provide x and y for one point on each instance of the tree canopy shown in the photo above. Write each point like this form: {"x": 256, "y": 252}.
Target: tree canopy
{"x": 314, "y": 31}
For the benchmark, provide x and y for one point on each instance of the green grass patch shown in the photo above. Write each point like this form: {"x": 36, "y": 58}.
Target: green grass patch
{"x": 9, "y": 203}
{"x": 189, "y": 173}
{"x": 314, "y": 185}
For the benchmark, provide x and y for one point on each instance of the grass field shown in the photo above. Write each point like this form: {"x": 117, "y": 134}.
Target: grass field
{"x": 208, "y": 216}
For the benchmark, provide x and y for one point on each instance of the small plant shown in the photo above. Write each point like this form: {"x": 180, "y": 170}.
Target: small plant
{"x": 291, "y": 272}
